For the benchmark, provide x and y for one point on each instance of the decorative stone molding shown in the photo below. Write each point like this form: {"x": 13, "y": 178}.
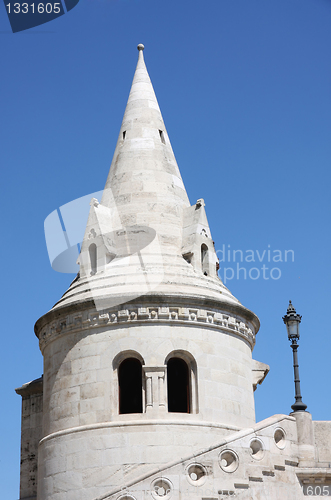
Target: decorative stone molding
{"x": 88, "y": 320}
{"x": 260, "y": 371}
{"x": 33, "y": 388}
{"x": 155, "y": 387}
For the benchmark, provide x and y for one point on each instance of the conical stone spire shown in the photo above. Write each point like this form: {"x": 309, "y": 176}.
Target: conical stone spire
{"x": 144, "y": 182}
{"x": 144, "y": 239}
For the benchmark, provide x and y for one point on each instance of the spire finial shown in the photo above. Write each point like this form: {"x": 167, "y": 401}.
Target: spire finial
{"x": 140, "y": 47}
{"x": 291, "y": 308}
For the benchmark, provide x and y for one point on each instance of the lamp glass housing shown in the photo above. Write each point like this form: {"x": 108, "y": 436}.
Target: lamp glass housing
{"x": 292, "y": 326}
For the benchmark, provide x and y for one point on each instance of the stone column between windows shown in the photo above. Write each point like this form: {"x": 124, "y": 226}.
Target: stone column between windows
{"x": 155, "y": 379}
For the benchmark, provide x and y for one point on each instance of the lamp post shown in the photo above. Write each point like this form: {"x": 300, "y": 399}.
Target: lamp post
{"x": 292, "y": 321}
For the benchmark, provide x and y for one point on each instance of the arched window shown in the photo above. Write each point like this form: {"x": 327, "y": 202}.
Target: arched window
{"x": 93, "y": 257}
{"x": 130, "y": 386}
{"x": 178, "y": 386}
{"x": 204, "y": 259}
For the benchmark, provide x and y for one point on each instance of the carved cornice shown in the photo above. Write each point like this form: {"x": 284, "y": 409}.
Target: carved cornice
{"x": 133, "y": 315}
{"x": 31, "y": 388}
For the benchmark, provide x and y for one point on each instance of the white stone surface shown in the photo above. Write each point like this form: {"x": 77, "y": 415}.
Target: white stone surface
{"x": 144, "y": 188}
{"x": 148, "y": 288}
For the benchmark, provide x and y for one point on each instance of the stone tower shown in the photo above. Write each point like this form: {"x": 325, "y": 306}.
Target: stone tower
{"x": 148, "y": 373}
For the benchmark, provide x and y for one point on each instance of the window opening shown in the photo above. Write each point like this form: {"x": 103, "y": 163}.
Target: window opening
{"x": 162, "y": 136}
{"x": 130, "y": 386}
{"x": 93, "y": 257}
{"x": 204, "y": 259}
{"x": 178, "y": 386}
{"x": 124, "y": 134}
{"x": 188, "y": 257}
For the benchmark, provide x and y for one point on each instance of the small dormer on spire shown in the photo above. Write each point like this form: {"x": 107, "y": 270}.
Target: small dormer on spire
{"x": 198, "y": 247}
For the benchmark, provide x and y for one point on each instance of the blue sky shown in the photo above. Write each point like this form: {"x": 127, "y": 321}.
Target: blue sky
{"x": 244, "y": 88}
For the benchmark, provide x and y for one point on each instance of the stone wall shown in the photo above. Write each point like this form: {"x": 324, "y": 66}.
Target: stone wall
{"x": 86, "y": 441}
{"x": 32, "y": 414}
{"x": 322, "y": 432}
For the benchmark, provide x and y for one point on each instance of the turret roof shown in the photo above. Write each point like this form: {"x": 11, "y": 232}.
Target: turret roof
{"x": 138, "y": 227}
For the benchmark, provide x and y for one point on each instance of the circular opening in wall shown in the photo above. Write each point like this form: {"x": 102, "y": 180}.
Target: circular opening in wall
{"x": 280, "y": 438}
{"x": 126, "y": 497}
{"x": 196, "y": 474}
{"x": 229, "y": 461}
{"x": 257, "y": 450}
{"x": 161, "y": 489}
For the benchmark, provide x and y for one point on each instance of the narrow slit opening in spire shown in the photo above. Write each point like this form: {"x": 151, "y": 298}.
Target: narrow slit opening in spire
{"x": 124, "y": 134}
{"x": 162, "y": 136}
{"x": 93, "y": 258}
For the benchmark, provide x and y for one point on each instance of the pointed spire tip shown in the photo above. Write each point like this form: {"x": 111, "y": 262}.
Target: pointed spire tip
{"x": 140, "y": 46}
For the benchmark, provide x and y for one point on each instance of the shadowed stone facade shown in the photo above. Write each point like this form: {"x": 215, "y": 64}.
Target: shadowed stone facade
{"x": 148, "y": 385}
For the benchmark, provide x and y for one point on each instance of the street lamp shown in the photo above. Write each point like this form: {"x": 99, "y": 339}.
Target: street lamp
{"x": 292, "y": 321}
